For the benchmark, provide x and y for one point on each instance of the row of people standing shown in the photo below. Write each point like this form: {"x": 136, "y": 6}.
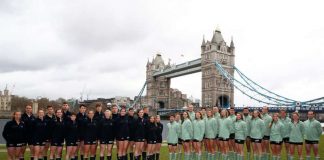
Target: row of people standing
{"x": 82, "y": 133}
{"x": 223, "y": 134}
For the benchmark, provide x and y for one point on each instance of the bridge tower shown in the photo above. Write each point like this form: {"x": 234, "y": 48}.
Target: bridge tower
{"x": 158, "y": 89}
{"x": 216, "y": 90}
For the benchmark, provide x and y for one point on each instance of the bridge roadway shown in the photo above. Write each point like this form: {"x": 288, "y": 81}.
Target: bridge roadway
{"x": 182, "y": 69}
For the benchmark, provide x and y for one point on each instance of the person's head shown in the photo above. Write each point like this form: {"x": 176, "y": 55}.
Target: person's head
{"x": 123, "y": 111}
{"x": 256, "y": 114}
{"x": 265, "y": 109}
{"x": 41, "y": 113}
{"x": 190, "y": 108}
{"x": 140, "y": 113}
{"x": 215, "y": 110}
{"x": 177, "y": 117}
{"x": 171, "y": 118}
{"x": 283, "y": 113}
{"x": 73, "y": 116}
{"x": 65, "y": 106}
{"x": 203, "y": 111}
{"x": 157, "y": 119}
{"x": 98, "y": 107}
{"x": 90, "y": 114}
{"x": 224, "y": 113}
{"x": 209, "y": 113}
{"x": 239, "y": 116}
{"x": 275, "y": 117}
{"x": 82, "y": 108}
{"x": 198, "y": 115}
{"x": 232, "y": 111}
{"x": 58, "y": 113}
{"x": 246, "y": 111}
{"x": 131, "y": 112}
{"x": 152, "y": 119}
{"x": 310, "y": 114}
{"x": 50, "y": 110}
{"x": 295, "y": 116}
{"x": 16, "y": 115}
{"x": 185, "y": 115}
{"x": 114, "y": 109}
{"x": 146, "y": 110}
{"x": 28, "y": 109}
{"x": 107, "y": 114}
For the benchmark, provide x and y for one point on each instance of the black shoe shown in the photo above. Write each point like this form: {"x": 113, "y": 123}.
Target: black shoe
{"x": 157, "y": 156}
{"x": 144, "y": 155}
{"x": 108, "y": 157}
{"x": 131, "y": 156}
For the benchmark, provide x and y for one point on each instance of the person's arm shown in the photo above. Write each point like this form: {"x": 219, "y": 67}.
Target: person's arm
{"x": 202, "y": 127}
{"x": 319, "y": 129}
{"x": 262, "y": 127}
{"x": 245, "y": 130}
{"x": 6, "y": 131}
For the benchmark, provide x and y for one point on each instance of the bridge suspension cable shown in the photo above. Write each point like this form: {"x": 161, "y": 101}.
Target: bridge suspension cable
{"x": 251, "y": 83}
{"x": 258, "y": 93}
{"x": 139, "y": 95}
{"x": 245, "y": 87}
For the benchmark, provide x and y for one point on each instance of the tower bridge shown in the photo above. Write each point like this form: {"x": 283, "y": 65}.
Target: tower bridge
{"x": 217, "y": 66}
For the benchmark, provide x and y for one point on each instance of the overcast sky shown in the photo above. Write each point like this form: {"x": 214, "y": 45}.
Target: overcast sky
{"x": 61, "y": 48}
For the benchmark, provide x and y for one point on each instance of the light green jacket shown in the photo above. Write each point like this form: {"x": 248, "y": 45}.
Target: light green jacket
{"x": 247, "y": 119}
{"x": 297, "y": 132}
{"x": 186, "y": 130}
{"x": 217, "y": 115}
{"x": 313, "y": 130}
{"x": 241, "y": 131}
{"x": 257, "y": 128}
{"x": 198, "y": 129}
{"x": 276, "y": 131}
{"x": 224, "y": 127}
{"x": 179, "y": 123}
{"x": 233, "y": 119}
{"x": 267, "y": 119}
{"x": 211, "y": 128}
{"x": 173, "y": 132}
{"x": 192, "y": 115}
{"x": 286, "y": 122}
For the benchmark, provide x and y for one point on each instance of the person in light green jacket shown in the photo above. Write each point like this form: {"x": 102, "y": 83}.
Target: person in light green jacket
{"x": 198, "y": 134}
{"x": 216, "y": 141}
{"x": 211, "y": 130}
{"x": 247, "y": 118}
{"x": 224, "y": 130}
{"x": 191, "y": 112}
{"x": 265, "y": 142}
{"x": 204, "y": 142}
{"x": 286, "y": 121}
{"x": 313, "y": 132}
{"x": 231, "y": 142}
{"x": 256, "y": 134}
{"x": 186, "y": 135}
{"x": 240, "y": 129}
{"x": 179, "y": 150}
{"x": 276, "y": 136}
{"x": 172, "y": 139}
{"x": 296, "y": 135}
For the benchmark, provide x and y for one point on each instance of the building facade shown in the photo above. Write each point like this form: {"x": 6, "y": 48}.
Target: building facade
{"x": 216, "y": 90}
{"x": 5, "y": 100}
